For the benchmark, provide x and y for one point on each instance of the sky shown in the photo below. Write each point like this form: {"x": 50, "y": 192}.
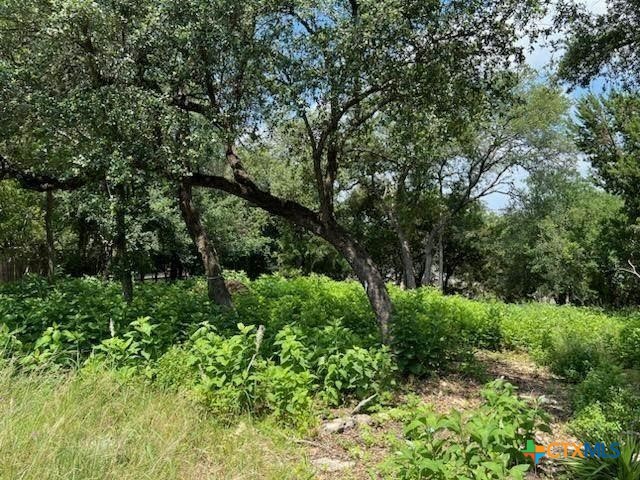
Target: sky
{"x": 540, "y": 55}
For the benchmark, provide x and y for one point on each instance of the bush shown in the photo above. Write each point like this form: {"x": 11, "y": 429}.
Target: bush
{"x": 227, "y": 383}
{"x": 9, "y": 343}
{"x": 600, "y": 385}
{"x": 630, "y": 344}
{"x": 483, "y": 443}
{"x": 230, "y": 376}
{"x": 174, "y": 370}
{"x": 130, "y": 354}
{"x": 310, "y": 302}
{"x": 605, "y": 405}
{"x": 571, "y": 356}
{"x": 531, "y": 326}
{"x": 56, "y": 347}
{"x": 356, "y": 373}
{"x": 285, "y": 394}
{"x": 427, "y": 336}
{"x": 591, "y": 424}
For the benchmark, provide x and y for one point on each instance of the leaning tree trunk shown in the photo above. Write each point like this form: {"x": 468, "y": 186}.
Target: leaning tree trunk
{"x": 366, "y": 271}
{"x": 360, "y": 261}
{"x": 48, "y": 226}
{"x": 408, "y": 271}
{"x": 217, "y": 290}
{"x": 122, "y": 254}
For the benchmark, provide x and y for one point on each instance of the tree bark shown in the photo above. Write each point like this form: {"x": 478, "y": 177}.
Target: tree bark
{"x": 122, "y": 255}
{"x": 440, "y": 261}
{"x": 428, "y": 259}
{"x": 217, "y": 290}
{"x": 408, "y": 270}
{"x": 359, "y": 260}
{"x": 367, "y": 273}
{"x": 48, "y": 226}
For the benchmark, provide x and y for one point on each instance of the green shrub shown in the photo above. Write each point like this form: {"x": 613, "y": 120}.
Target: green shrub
{"x": 130, "y": 354}
{"x": 9, "y": 343}
{"x": 600, "y": 385}
{"x": 356, "y": 373}
{"x": 291, "y": 350}
{"x": 531, "y": 326}
{"x": 285, "y": 394}
{"x": 427, "y": 337}
{"x": 226, "y": 384}
{"x": 483, "y": 443}
{"x": 310, "y": 302}
{"x": 56, "y": 347}
{"x": 630, "y": 344}
{"x": 605, "y": 405}
{"x": 174, "y": 369}
{"x": 591, "y": 424}
{"x": 571, "y": 356}
{"x": 485, "y": 330}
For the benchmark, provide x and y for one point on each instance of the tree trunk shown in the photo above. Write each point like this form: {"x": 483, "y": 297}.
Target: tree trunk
{"x": 48, "y": 226}
{"x": 441, "y": 261}
{"x": 216, "y": 287}
{"x": 173, "y": 267}
{"x": 122, "y": 255}
{"x": 366, "y": 271}
{"x": 428, "y": 260}
{"x": 408, "y": 270}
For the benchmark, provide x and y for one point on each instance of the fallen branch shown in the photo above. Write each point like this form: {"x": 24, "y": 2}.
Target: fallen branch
{"x": 364, "y": 404}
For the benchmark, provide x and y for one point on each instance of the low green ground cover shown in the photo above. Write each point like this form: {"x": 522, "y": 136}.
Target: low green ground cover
{"x": 293, "y": 347}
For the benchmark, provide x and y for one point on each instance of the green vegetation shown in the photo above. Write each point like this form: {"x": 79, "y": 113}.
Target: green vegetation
{"x": 83, "y": 425}
{"x": 265, "y": 214}
{"x": 482, "y": 443}
{"x": 293, "y": 347}
{"x": 433, "y": 331}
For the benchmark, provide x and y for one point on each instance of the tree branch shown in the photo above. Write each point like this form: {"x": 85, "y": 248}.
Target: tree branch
{"x": 38, "y": 182}
{"x": 248, "y": 190}
{"x": 633, "y": 270}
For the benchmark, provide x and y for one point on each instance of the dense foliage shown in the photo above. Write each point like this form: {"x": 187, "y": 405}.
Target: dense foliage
{"x": 456, "y": 200}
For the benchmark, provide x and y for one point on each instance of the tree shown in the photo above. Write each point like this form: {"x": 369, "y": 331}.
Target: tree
{"x": 221, "y": 76}
{"x": 21, "y": 230}
{"x": 431, "y": 170}
{"x": 608, "y": 131}
{"x": 550, "y": 241}
{"x": 599, "y": 44}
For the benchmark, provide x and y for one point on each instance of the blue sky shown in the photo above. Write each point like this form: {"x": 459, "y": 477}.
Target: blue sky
{"x": 541, "y": 56}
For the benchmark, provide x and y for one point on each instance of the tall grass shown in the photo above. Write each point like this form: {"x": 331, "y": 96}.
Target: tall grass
{"x": 75, "y": 426}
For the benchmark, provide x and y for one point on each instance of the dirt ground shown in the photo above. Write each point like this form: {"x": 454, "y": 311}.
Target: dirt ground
{"x": 357, "y": 452}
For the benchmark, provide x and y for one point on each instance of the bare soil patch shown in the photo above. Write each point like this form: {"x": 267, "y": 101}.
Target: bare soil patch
{"x": 366, "y": 446}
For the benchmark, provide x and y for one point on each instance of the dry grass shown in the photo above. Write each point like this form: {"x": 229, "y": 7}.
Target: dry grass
{"x": 72, "y": 427}
{"x": 94, "y": 427}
